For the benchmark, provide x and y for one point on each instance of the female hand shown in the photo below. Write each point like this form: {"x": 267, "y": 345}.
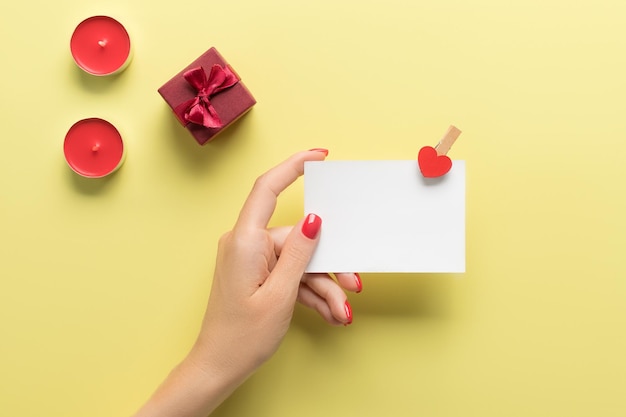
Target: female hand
{"x": 259, "y": 275}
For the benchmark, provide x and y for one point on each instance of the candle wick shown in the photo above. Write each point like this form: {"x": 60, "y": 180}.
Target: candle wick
{"x": 95, "y": 147}
{"x": 102, "y": 43}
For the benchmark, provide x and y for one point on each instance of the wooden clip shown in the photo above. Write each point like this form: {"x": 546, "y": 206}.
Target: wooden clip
{"x": 447, "y": 140}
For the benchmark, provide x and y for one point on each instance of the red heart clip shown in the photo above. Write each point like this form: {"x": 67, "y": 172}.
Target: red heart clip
{"x": 431, "y": 164}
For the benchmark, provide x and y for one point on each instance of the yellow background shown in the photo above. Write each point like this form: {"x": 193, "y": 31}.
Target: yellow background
{"x": 103, "y": 283}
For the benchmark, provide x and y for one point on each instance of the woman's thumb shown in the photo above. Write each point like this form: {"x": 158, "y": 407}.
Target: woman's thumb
{"x": 296, "y": 254}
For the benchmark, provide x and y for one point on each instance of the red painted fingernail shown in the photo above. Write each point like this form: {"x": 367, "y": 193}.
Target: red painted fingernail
{"x": 359, "y": 283}
{"x": 311, "y": 226}
{"x": 322, "y": 150}
{"x": 348, "y": 313}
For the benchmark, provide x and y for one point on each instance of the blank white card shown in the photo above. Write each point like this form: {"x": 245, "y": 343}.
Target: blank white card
{"x": 384, "y": 216}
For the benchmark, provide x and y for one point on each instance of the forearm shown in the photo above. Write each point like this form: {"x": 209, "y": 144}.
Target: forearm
{"x": 192, "y": 390}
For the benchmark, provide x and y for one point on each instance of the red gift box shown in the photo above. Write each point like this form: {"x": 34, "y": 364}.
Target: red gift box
{"x": 207, "y": 96}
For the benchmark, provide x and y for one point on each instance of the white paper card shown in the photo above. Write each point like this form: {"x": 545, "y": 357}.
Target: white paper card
{"x": 384, "y": 216}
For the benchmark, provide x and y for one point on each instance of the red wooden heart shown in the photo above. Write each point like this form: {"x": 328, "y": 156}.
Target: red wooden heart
{"x": 431, "y": 164}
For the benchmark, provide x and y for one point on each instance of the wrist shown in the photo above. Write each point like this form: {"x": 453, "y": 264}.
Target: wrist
{"x": 194, "y": 388}
{"x": 216, "y": 367}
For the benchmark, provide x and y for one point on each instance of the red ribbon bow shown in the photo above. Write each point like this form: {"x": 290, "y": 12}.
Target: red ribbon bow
{"x": 199, "y": 109}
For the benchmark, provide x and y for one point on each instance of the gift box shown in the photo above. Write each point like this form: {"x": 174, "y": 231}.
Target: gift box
{"x": 207, "y": 96}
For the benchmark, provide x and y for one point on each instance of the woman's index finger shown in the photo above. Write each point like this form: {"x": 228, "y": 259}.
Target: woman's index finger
{"x": 261, "y": 202}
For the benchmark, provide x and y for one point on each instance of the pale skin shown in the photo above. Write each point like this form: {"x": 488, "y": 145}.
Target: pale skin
{"x": 259, "y": 276}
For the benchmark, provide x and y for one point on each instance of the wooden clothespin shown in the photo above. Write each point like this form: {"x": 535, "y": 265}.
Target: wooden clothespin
{"x": 446, "y": 142}
{"x": 433, "y": 162}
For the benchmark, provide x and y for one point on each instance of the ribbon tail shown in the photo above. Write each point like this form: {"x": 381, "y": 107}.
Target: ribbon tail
{"x": 211, "y": 118}
{"x": 196, "y": 114}
{"x": 182, "y": 110}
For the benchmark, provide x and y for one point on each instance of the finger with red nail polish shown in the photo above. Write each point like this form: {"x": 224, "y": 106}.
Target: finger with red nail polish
{"x": 311, "y": 226}
{"x": 350, "y": 281}
{"x": 348, "y": 310}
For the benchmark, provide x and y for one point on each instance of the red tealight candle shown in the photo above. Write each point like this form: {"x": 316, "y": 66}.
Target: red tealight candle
{"x": 100, "y": 45}
{"x": 93, "y": 148}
